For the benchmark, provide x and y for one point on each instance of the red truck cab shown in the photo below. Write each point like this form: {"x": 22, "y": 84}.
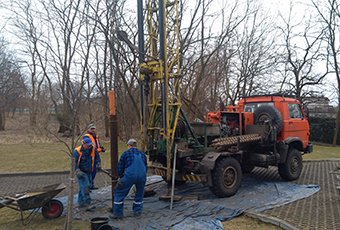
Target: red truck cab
{"x": 295, "y": 125}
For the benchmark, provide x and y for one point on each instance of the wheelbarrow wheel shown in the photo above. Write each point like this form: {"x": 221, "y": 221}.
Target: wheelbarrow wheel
{"x": 53, "y": 209}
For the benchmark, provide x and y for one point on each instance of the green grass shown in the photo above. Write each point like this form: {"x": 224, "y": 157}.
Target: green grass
{"x": 44, "y": 157}
{"x": 10, "y": 219}
{"x": 323, "y": 152}
{"x": 244, "y": 222}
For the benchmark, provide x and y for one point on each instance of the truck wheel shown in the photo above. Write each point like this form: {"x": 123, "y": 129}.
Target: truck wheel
{"x": 267, "y": 112}
{"x": 226, "y": 177}
{"x": 247, "y": 168}
{"x": 291, "y": 169}
{"x": 53, "y": 209}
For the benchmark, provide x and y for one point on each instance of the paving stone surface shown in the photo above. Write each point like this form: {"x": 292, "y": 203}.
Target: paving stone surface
{"x": 18, "y": 183}
{"x": 319, "y": 211}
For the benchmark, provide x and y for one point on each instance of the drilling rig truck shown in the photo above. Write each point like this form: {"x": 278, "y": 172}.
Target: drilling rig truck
{"x": 260, "y": 131}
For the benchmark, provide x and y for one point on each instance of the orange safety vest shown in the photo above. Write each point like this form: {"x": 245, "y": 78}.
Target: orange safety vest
{"x": 96, "y": 142}
{"x": 81, "y": 153}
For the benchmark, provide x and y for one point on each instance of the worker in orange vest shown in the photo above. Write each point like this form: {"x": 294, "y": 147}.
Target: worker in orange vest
{"x": 91, "y": 133}
{"x": 86, "y": 157}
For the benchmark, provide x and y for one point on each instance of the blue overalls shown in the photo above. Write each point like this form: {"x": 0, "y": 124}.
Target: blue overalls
{"x": 95, "y": 140}
{"x": 135, "y": 174}
{"x": 85, "y": 159}
{"x": 84, "y": 198}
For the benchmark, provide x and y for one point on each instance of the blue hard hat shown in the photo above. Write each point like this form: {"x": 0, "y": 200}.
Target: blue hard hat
{"x": 87, "y": 141}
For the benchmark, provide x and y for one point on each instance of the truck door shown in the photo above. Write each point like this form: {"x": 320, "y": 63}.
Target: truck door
{"x": 297, "y": 124}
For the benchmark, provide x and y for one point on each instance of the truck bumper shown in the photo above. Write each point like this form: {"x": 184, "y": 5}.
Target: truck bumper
{"x": 309, "y": 148}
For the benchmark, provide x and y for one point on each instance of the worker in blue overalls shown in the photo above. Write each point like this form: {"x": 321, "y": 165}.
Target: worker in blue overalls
{"x": 92, "y": 134}
{"x": 132, "y": 168}
{"x": 85, "y": 157}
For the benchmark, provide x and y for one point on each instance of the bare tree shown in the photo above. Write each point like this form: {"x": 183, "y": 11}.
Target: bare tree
{"x": 59, "y": 46}
{"x": 26, "y": 21}
{"x": 230, "y": 64}
{"x": 253, "y": 57}
{"x": 119, "y": 71}
{"x": 302, "y": 52}
{"x": 12, "y": 85}
{"x": 329, "y": 14}
{"x": 201, "y": 43}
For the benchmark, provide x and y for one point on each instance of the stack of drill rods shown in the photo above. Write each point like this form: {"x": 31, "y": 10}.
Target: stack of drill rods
{"x": 236, "y": 139}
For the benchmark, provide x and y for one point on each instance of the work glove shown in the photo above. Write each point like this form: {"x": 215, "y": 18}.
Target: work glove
{"x": 80, "y": 174}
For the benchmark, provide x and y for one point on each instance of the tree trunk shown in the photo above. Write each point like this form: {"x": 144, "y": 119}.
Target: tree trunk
{"x": 2, "y": 121}
{"x": 68, "y": 223}
{"x": 106, "y": 116}
{"x": 336, "y": 128}
{"x": 33, "y": 115}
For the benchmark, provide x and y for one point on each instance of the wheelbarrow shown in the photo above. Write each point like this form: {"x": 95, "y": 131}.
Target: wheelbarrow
{"x": 41, "y": 198}
{"x": 336, "y": 172}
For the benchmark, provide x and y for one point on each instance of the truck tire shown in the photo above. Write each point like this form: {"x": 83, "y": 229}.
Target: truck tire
{"x": 291, "y": 169}
{"x": 226, "y": 177}
{"x": 267, "y": 112}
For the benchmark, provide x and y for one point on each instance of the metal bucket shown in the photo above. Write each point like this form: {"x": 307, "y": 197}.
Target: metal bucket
{"x": 97, "y": 222}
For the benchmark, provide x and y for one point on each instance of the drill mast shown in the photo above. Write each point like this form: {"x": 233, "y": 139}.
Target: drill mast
{"x": 160, "y": 73}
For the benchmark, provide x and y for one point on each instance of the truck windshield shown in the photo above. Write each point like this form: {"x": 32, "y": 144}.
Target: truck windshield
{"x": 251, "y": 107}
